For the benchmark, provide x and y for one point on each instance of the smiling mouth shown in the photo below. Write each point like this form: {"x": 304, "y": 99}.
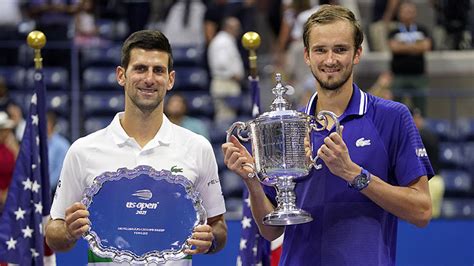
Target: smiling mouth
{"x": 330, "y": 70}
{"x": 149, "y": 91}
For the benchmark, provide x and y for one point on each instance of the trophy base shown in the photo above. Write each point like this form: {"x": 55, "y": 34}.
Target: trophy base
{"x": 287, "y": 217}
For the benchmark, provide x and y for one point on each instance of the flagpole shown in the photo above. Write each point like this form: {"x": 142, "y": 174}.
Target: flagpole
{"x": 37, "y": 40}
{"x": 254, "y": 249}
{"x": 251, "y": 41}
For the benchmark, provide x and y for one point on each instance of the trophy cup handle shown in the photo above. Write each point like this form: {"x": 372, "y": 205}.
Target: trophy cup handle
{"x": 323, "y": 117}
{"x": 240, "y": 126}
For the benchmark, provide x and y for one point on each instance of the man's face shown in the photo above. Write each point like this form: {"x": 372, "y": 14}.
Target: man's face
{"x": 330, "y": 54}
{"x": 407, "y": 13}
{"x": 175, "y": 107}
{"x": 146, "y": 79}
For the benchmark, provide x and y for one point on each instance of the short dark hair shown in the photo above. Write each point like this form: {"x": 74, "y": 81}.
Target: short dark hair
{"x": 330, "y": 13}
{"x": 148, "y": 40}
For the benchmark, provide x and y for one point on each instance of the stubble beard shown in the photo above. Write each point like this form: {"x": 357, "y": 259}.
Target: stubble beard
{"x": 146, "y": 107}
{"x": 335, "y": 85}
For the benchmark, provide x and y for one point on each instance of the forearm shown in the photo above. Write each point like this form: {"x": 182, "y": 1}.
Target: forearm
{"x": 411, "y": 203}
{"x": 262, "y": 206}
{"x": 410, "y": 48}
{"x": 57, "y": 236}
{"x": 422, "y": 46}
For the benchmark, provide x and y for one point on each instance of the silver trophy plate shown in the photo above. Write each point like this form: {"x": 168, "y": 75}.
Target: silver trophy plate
{"x": 142, "y": 215}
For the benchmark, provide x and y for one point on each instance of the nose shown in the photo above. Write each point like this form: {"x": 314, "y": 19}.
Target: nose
{"x": 149, "y": 77}
{"x": 331, "y": 58}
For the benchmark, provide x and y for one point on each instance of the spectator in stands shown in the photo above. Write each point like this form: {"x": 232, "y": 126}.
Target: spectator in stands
{"x": 431, "y": 142}
{"x": 176, "y": 109}
{"x": 8, "y": 152}
{"x": 53, "y": 17}
{"x": 383, "y": 17}
{"x": 218, "y": 10}
{"x": 58, "y": 145}
{"x": 227, "y": 69}
{"x": 10, "y": 18}
{"x": 186, "y": 17}
{"x": 383, "y": 86}
{"x": 289, "y": 55}
{"x": 141, "y": 135}
{"x": 452, "y": 19}
{"x": 12, "y": 109}
{"x": 409, "y": 43}
{"x": 55, "y": 20}
{"x": 86, "y": 31}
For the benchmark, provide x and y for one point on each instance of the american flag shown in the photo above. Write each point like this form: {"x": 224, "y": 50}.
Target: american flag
{"x": 28, "y": 200}
{"x": 253, "y": 248}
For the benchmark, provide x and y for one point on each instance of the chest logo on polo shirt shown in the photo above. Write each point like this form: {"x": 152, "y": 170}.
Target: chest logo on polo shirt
{"x": 362, "y": 142}
{"x": 176, "y": 169}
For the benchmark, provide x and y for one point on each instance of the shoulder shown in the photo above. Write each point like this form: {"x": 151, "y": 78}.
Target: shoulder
{"x": 89, "y": 141}
{"x": 384, "y": 105}
{"x": 386, "y": 111}
{"x": 185, "y": 136}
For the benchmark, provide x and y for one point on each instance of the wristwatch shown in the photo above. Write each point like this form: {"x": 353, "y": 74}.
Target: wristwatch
{"x": 361, "y": 181}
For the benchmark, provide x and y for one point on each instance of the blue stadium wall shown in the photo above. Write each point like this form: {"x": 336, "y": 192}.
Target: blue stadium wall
{"x": 443, "y": 242}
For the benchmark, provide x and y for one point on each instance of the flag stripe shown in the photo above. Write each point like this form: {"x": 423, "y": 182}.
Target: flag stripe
{"x": 254, "y": 249}
{"x": 28, "y": 200}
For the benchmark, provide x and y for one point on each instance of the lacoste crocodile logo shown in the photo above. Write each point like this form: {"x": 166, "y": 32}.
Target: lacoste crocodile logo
{"x": 362, "y": 142}
{"x": 176, "y": 169}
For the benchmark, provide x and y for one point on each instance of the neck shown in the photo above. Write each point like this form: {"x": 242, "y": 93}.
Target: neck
{"x": 142, "y": 126}
{"x": 335, "y": 101}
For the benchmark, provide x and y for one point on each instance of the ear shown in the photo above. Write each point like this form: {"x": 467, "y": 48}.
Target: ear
{"x": 357, "y": 55}
{"x": 120, "y": 75}
{"x": 306, "y": 57}
{"x": 172, "y": 76}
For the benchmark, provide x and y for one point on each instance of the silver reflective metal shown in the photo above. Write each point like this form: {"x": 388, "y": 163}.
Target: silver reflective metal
{"x": 279, "y": 152}
{"x": 169, "y": 193}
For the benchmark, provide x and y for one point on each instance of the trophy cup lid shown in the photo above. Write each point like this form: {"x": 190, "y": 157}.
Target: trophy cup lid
{"x": 280, "y": 103}
{"x": 280, "y": 107}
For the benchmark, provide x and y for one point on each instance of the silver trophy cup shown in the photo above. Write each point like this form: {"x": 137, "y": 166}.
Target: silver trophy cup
{"x": 279, "y": 152}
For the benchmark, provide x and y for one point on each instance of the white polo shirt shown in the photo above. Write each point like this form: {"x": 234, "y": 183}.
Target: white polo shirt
{"x": 111, "y": 148}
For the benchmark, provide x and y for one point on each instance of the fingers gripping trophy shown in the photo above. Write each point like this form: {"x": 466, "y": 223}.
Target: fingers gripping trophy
{"x": 279, "y": 152}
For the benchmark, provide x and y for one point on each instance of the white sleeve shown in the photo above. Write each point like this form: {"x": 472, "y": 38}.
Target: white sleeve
{"x": 208, "y": 184}
{"x": 71, "y": 186}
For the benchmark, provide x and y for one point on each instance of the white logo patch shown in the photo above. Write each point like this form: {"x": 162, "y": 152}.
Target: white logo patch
{"x": 421, "y": 152}
{"x": 362, "y": 142}
{"x": 144, "y": 194}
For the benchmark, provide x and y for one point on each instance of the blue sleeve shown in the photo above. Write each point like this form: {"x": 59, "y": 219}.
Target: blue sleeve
{"x": 408, "y": 154}
{"x": 271, "y": 194}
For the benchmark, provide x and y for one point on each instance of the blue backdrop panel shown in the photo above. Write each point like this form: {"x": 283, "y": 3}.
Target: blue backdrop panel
{"x": 443, "y": 242}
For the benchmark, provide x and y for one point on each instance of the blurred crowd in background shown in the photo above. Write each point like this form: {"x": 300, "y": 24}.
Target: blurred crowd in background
{"x": 211, "y": 90}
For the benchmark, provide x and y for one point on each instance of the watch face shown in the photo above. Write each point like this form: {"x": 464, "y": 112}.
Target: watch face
{"x": 361, "y": 181}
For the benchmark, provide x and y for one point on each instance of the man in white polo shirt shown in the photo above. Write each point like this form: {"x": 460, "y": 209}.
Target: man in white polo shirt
{"x": 141, "y": 135}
